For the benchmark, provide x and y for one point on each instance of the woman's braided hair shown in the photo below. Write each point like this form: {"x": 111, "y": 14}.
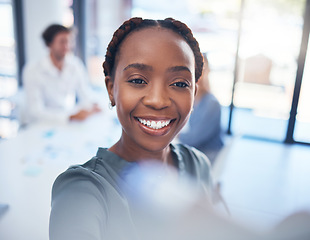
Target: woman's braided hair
{"x": 135, "y": 24}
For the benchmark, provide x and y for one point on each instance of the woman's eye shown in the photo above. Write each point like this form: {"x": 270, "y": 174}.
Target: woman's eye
{"x": 137, "y": 81}
{"x": 180, "y": 84}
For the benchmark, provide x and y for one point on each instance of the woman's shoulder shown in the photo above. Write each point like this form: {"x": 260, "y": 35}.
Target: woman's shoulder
{"x": 102, "y": 172}
{"x": 190, "y": 153}
{"x": 88, "y": 169}
{"x": 83, "y": 173}
{"x": 195, "y": 162}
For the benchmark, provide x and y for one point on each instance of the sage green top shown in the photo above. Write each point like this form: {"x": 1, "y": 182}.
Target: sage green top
{"x": 91, "y": 201}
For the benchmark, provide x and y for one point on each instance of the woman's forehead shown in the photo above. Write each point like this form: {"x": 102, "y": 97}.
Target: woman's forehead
{"x": 155, "y": 42}
{"x": 154, "y": 33}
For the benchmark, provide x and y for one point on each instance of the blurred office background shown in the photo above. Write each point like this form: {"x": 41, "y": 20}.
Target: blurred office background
{"x": 260, "y": 72}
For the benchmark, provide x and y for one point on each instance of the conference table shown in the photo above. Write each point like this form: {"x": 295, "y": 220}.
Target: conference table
{"x": 30, "y": 163}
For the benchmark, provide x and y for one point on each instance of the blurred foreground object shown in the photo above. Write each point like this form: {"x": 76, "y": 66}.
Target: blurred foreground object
{"x": 170, "y": 208}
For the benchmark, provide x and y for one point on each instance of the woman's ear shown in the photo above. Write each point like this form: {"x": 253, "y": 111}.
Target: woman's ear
{"x": 109, "y": 83}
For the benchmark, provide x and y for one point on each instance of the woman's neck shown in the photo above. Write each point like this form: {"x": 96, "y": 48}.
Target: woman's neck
{"x": 139, "y": 155}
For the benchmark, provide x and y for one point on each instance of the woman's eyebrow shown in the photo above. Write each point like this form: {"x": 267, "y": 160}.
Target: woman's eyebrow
{"x": 139, "y": 66}
{"x": 178, "y": 69}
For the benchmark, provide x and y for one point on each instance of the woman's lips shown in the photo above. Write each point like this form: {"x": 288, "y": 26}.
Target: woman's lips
{"x": 155, "y": 127}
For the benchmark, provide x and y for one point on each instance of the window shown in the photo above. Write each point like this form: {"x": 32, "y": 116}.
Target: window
{"x": 8, "y": 72}
{"x": 270, "y": 37}
{"x": 269, "y": 47}
{"x": 302, "y": 127}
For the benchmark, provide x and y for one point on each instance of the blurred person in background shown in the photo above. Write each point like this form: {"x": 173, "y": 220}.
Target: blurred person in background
{"x": 203, "y": 130}
{"x": 57, "y": 87}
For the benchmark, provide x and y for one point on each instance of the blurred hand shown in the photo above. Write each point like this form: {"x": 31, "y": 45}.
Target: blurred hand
{"x": 81, "y": 115}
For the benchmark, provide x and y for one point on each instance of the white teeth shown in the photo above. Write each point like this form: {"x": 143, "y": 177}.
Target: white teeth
{"x": 154, "y": 124}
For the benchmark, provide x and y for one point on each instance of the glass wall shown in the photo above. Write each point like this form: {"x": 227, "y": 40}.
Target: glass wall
{"x": 302, "y": 127}
{"x": 8, "y": 71}
{"x": 269, "y": 46}
{"x": 270, "y": 40}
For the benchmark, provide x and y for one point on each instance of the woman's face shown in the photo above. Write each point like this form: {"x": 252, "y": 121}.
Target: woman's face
{"x": 153, "y": 88}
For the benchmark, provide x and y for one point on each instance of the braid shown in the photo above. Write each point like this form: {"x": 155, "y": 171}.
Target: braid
{"x": 135, "y": 24}
{"x": 118, "y": 36}
{"x": 187, "y": 34}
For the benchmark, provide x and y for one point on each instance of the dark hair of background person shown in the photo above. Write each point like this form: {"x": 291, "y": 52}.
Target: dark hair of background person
{"x": 51, "y": 31}
{"x": 135, "y": 24}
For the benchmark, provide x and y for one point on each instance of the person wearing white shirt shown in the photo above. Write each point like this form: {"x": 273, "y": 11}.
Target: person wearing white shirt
{"x": 56, "y": 87}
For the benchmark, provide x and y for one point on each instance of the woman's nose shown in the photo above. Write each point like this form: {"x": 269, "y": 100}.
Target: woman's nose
{"x": 157, "y": 97}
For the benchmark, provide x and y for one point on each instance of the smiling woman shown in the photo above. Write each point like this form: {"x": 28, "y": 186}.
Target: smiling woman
{"x": 151, "y": 70}
{"x": 160, "y": 89}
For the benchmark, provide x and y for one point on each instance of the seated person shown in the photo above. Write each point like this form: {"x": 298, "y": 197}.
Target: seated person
{"x": 56, "y": 87}
{"x": 203, "y": 130}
